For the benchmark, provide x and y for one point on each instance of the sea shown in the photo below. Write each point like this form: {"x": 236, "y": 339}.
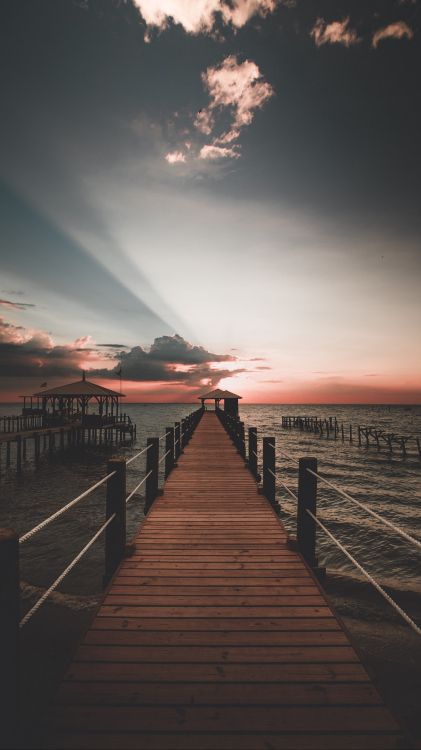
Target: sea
{"x": 387, "y": 483}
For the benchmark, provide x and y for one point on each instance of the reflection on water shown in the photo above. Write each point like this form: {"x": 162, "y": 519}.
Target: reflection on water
{"x": 388, "y": 484}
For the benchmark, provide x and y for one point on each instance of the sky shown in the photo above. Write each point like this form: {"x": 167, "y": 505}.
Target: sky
{"x": 212, "y": 193}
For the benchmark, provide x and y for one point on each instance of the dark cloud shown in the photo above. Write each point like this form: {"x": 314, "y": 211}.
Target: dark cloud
{"x": 177, "y": 350}
{"x": 114, "y": 346}
{"x": 15, "y": 305}
{"x": 170, "y": 359}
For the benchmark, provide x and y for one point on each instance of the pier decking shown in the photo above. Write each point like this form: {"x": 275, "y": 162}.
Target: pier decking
{"x": 215, "y": 634}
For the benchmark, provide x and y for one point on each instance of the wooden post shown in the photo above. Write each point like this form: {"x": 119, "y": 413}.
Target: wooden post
{"x": 253, "y": 450}
{"x": 307, "y": 500}
{"x": 9, "y": 634}
{"x": 359, "y": 435}
{"x": 169, "y": 450}
{"x": 177, "y": 438}
{"x": 183, "y": 433}
{"x": 350, "y": 433}
{"x": 8, "y": 453}
{"x": 241, "y": 440}
{"x": 269, "y": 484}
{"x": 24, "y": 449}
{"x": 419, "y": 447}
{"x": 18, "y": 454}
{"x": 152, "y": 456}
{"x": 115, "y": 534}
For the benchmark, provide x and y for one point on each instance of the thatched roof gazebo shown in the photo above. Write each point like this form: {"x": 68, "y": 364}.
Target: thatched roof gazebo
{"x": 230, "y": 400}
{"x": 73, "y": 400}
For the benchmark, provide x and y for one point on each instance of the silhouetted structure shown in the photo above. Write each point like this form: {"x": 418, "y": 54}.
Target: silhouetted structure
{"x": 230, "y": 400}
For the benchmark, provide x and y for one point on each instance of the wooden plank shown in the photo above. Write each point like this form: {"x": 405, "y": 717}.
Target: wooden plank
{"x": 249, "y": 741}
{"x": 205, "y": 693}
{"x": 209, "y": 654}
{"x": 187, "y": 672}
{"x": 226, "y": 718}
{"x": 126, "y": 637}
{"x": 272, "y": 625}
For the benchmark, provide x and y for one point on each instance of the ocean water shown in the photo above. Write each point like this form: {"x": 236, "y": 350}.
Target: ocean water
{"x": 388, "y": 483}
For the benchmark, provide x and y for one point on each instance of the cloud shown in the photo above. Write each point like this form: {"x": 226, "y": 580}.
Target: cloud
{"x": 200, "y": 16}
{"x": 177, "y": 350}
{"x": 33, "y": 353}
{"x": 170, "y": 359}
{"x": 398, "y": 30}
{"x": 15, "y": 305}
{"x": 238, "y": 88}
{"x": 175, "y": 157}
{"x": 218, "y": 152}
{"x": 337, "y": 32}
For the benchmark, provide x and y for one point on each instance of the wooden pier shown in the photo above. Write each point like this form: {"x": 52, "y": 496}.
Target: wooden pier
{"x": 215, "y": 633}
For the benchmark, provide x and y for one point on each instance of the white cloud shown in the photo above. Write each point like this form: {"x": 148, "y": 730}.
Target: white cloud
{"x": 199, "y": 16}
{"x": 218, "y": 152}
{"x": 238, "y": 87}
{"x": 337, "y": 32}
{"x": 397, "y": 30}
{"x": 175, "y": 157}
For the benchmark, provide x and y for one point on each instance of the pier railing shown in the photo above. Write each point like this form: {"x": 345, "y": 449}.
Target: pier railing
{"x": 171, "y": 445}
{"x": 305, "y": 497}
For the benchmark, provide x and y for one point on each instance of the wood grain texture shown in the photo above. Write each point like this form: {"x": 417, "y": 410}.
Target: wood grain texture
{"x": 214, "y": 634}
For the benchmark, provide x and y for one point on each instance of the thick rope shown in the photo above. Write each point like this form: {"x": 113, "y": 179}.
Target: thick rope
{"x": 138, "y": 454}
{"x": 62, "y": 510}
{"x": 62, "y": 575}
{"x": 287, "y": 455}
{"x": 133, "y": 492}
{"x": 290, "y": 492}
{"x": 370, "y": 578}
{"x": 391, "y": 525}
{"x": 164, "y": 456}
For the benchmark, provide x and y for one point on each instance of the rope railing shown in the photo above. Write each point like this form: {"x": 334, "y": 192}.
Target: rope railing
{"x": 58, "y": 513}
{"x": 164, "y": 457}
{"x": 290, "y": 492}
{"x": 138, "y": 486}
{"x": 367, "y": 575}
{"x": 65, "y": 572}
{"x": 373, "y": 513}
{"x": 133, "y": 458}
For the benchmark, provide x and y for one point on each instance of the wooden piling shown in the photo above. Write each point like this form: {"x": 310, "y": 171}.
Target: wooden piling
{"x": 152, "y": 457}
{"x": 269, "y": 479}
{"x": 9, "y": 634}
{"x": 115, "y": 534}
{"x": 307, "y": 500}
{"x": 169, "y": 451}
{"x": 253, "y": 450}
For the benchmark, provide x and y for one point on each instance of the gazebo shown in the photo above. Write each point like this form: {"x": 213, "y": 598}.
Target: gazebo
{"x": 230, "y": 400}
{"x": 71, "y": 402}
